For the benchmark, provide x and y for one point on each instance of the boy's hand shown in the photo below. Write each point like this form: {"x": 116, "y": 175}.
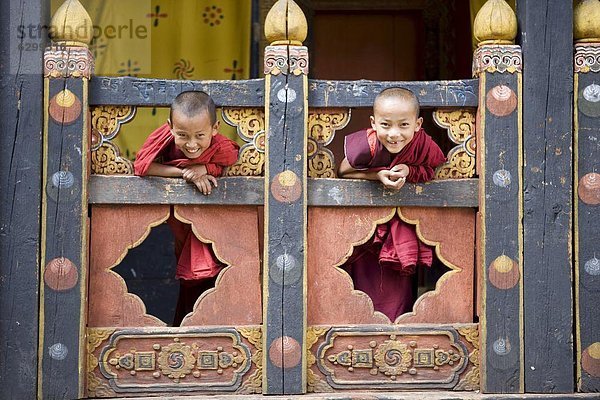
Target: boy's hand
{"x": 391, "y": 179}
{"x": 401, "y": 170}
{"x": 194, "y": 172}
{"x": 203, "y": 183}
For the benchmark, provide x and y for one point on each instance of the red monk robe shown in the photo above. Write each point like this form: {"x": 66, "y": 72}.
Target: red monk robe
{"x": 383, "y": 266}
{"x": 197, "y": 266}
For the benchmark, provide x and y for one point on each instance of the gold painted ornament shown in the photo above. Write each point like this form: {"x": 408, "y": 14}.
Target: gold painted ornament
{"x": 65, "y": 107}
{"x": 590, "y": 360}
{"x": 503, "y": 273}
{"x": 285, "y": 23}
{"x": 586, "y": 21}
{"x": 496, "y": 22}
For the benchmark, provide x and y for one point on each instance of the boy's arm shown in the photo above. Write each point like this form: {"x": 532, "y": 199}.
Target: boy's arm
{"x": 390, "y": 179}
{"x": 168, "y": 171}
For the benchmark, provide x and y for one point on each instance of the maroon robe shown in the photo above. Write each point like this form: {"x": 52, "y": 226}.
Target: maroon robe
{"x": 382, "y": 267}
{"x": 195, "y": 259}
{"x": 196, "y": 263}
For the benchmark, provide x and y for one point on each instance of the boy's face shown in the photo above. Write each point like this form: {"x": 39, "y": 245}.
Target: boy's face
{"x": 194, "y": 134}
{"x": 395, "y": 122}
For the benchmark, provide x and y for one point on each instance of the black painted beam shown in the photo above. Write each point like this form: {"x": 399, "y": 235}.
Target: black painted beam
{"x": 362, "y": 93}
{"x": 547, "y": 218}
{"x": 130, "y": 91}
{"x": 21, "y": 87}
{"x": 114, "y": 189}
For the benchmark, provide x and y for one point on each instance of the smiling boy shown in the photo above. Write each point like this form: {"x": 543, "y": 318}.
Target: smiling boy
{"x": 396, "y": 149}
{"x": 189, "y": 146}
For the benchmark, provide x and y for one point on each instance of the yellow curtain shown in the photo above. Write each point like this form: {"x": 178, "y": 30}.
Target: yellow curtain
{"x": 168, "y": 39}
{"x": 476, "y": 5}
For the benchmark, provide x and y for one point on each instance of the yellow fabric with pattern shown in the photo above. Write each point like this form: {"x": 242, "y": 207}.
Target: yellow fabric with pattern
{"x": 185, "y": 39}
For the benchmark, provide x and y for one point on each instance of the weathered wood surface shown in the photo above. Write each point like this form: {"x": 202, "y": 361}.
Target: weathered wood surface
{"x": 240, "y": 282}
{"x": 130, "y": 91}
{"x": 332, "y": 235}
{"x": 587, "y": 238}
{"x": 547, "y": 217}
{"x": 500, "y": 197}
{"x": 362, "y": 93}
{"x": 284, "y": 365}
{"x": 107, "y": 189}
{"x": 21, "y": 85}
{"x": 250, "y": 93}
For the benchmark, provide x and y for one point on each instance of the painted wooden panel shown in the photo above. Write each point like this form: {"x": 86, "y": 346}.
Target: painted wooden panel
{"x": 285, "y": 221}
{"x": 499, "y": 144}
{"x": 233, "y": 232}
{"x": 64, "y": 261}
{"x": 332, "y": 235}
{"x": 587, "y": 217}
{"x": 114, "y": 230}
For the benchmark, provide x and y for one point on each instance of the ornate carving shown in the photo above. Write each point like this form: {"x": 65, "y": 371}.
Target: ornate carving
{"x": 322, "y": 124}
{"x": 95, "y": 386}
{"x": 587, "y": 58}
{"x": 106, "y": 123}
{"x": 471, "y": 381}
{"x": 253, "y": 385}
{"x": 250, "y": 124}
{"x": 461, "y": 130}
{"x": 283, "y": 59}
{"x": 313, "y": 381}
{"x": 106, "y": 161}
{"x": 68, "y": 62}
{"x": 168, "y": 361}
{"x": 392, "y": 357}
{"x": 497, "y": 58}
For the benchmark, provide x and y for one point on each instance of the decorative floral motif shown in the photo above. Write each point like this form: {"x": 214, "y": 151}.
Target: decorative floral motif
{"x": 213, "y": 15}
{"x": 183, "y": 69}
{"x": 587, "y": 58}
{"x": 106, "y": 123}
{"x": 461, "y": 130}
{"x": 322, "y": 125}
{"x": 250, "y": 124}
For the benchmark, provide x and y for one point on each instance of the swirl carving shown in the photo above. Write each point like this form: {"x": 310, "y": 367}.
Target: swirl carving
{"x": 176, "y": 361}
{"x": 587, "y": 58}
{"x": 460, "y": 125}
{"x": 106, "y": 123}
{"x": 68, "y": 62}
{"x": 393, "y": 358}
{"x": 250, "y": 125}
{"x": 322, "y": 125}
{"x": 497, "y": 58}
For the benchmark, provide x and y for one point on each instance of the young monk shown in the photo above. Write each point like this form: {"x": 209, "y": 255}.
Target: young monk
{"x": 396, "y": 149}
{"x": 189, "y": 146}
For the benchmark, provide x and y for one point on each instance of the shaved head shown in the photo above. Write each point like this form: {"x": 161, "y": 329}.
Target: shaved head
{"x": 191, "y": 104}
{"x": 397, "y": 93}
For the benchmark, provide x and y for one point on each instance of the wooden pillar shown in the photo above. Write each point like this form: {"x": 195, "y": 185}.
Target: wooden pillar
{"x": 284, "y": 277}
{"x": 547, "y": 174}
{"x": 21, "y": 86}
{"x": 498, "y": 64}
{"x": 68, "y": 66}
{"x": 587, "y": 195}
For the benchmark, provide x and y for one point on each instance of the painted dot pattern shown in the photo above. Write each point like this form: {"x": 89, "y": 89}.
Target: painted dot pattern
{"x": 501, "y": 346}
{"x": 592, "y": 266}
{"x": 286, "y": 270}
{"x": 285, "y": 352}
{"x": 502, "y": 178}
{"x": 62, "y": 179}
{"x": 588, "y": 189}
{"x": 61, "y": 274}
{"x": 58, "y": 351}
{"x": 286, "y": 95}
{"x": 501, "y": 101}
